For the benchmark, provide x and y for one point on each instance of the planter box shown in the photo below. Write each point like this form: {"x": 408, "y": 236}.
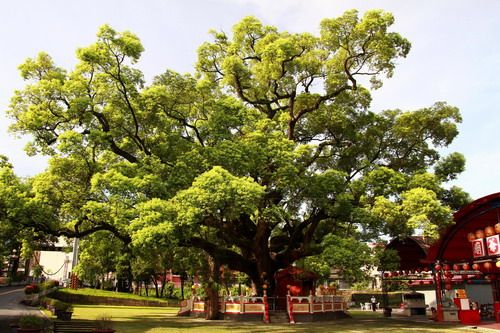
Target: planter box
{"x": 29, "y": 330}
{"x": 64, "y": 315}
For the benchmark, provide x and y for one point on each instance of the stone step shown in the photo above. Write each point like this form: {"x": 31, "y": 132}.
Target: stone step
{"x": 278, "y": 317}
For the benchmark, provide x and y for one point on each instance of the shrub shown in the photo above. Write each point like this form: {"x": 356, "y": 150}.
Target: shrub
{"x": 49, "y": 284}
{"x": 31, "y": 321}
{"x": 61, "y": 306}
{"x": 31, "y": 289}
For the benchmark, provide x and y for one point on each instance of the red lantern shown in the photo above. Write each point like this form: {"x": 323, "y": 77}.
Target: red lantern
{"x": 471, "y": 236}
{"x": 386, "y": 275}
{"x": 426, "y": 269}
{"x": 419, "y": 270}
{"x": 466, "y": 267}
{"x": 497, "y": 228}
{"x": 446, "y": 267}
{"x": 447, "y": 286}
{"x": 475, "y": 267}
{"x": 487, "y": 266}
{"x": 489, "y": 231}
{"x": 456, "y": 267}
{"x": 437, "y": 267}
{"x": 479, "y": 233}
{"x": 395, "y": 273}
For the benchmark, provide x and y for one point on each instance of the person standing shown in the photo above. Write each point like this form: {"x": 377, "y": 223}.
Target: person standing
{"x": 374, "y": 303}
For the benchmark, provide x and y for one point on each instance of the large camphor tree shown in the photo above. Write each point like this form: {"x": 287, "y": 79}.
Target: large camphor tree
{"x": 264, "y": 156}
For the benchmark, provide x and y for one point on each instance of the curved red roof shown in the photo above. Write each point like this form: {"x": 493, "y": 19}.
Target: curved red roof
{"x": 453, "y": 244}
{"x": 411, "y": 250}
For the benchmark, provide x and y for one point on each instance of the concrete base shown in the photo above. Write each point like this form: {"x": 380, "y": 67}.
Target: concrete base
{"x": 253, "y": 317}
{"x": 320, "y": 316}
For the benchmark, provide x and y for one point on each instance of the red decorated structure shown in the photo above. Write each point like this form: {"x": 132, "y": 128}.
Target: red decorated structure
{"x": 295, "y": 299}
{"x": 463, "y": 265}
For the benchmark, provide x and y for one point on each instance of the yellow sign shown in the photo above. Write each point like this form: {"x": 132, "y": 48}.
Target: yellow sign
{"x": 199, "y": 306}
{"x": 461, "y": 293}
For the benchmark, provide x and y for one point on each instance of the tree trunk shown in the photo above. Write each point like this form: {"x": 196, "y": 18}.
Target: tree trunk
{"x": 212, "y": 289}
{"x": 182, "y": 285}
{"x": 155, "y": 283}
{"x": 163, "y": 282}
{"x": 266, "y": 267}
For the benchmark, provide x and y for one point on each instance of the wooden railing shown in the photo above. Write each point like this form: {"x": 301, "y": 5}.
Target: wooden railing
{"x": 315, "y": 304}
{"x": 258, "y": 305}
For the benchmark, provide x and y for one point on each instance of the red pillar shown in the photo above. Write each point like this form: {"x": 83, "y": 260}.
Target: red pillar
{"x": 439, "y": 293}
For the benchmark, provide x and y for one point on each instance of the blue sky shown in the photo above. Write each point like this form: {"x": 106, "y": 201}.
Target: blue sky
{"x": 455, "y": 55}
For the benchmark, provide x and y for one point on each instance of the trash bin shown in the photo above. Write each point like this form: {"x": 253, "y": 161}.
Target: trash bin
{"x": 387, "y": 312}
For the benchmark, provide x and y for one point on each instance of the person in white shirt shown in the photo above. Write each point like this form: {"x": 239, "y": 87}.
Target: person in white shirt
{"x": 374, "y": 303}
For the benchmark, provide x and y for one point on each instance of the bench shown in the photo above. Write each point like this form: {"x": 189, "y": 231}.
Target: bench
{"x": 73, "y": 326}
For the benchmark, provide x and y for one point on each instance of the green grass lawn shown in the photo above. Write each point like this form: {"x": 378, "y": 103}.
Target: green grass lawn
{"x": 106, "y": 293}
{"x": 160, "y": 320}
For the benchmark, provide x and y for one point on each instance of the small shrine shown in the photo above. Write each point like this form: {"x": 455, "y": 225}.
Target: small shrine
{"x": 294, "y": 281}
{"x": 295, "y": 298}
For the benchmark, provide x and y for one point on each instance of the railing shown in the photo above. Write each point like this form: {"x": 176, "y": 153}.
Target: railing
{"x": 315, "y": 304}
{"x": 262, "y": 305}
{"x": 242, "y": 304}
{"x": 276, "y": 303}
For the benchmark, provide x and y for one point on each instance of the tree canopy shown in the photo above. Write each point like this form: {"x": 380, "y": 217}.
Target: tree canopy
{"x": 266, "y": 154}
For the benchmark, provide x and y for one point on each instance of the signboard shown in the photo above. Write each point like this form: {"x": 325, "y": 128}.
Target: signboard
{"x": 493, "y": 245}
{"x": 478, "y": 248}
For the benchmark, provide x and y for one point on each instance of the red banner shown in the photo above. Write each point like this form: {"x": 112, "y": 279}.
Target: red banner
{"x": 478, "y": 248}
{"x": 493, "y": 245}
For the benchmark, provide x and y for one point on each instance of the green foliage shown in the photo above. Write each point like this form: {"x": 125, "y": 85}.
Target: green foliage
{"x": 31, "y": 321}
{"x": 267, "y": 155}
{"x": 388, "y": 260}
{"x": 351, "y": 257}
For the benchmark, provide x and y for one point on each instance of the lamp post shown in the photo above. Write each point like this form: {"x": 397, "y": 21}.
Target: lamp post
{"x": 12, "y": 265}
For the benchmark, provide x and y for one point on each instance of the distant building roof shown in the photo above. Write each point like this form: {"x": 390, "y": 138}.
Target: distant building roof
{"x": 412, "y": 251}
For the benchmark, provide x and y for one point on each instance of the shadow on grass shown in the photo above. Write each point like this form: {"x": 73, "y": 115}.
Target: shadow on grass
{"x": 363, "y": 324}
{"x": 154, "y": 320}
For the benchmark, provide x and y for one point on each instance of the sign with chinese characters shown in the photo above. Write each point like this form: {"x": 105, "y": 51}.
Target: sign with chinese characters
{"x": 493, "y": 245}
{"x": 478, "y": 248}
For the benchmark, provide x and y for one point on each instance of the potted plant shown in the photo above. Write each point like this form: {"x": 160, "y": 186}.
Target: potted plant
{"x": 63, "y": 310}
{"x": 29, "y": 323}
{"x": 104, "y": 324}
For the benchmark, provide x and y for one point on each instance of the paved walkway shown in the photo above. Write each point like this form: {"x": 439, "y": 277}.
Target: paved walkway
{"x": 490, "y": 325}
{"x": 484, "y": 325}
{"x": 10, "y": 306}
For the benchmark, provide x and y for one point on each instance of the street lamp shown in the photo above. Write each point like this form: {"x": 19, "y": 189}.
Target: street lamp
{"x": 12, "y": 261}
